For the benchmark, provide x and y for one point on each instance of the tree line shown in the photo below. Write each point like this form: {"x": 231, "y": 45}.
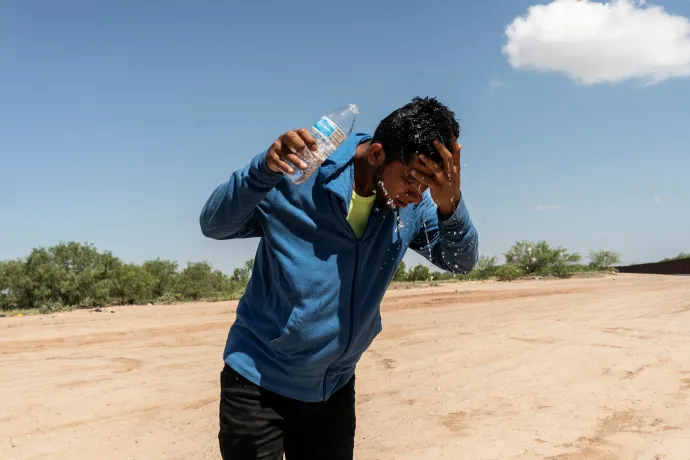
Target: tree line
{"x": 523, "y": 259}
{"x": 78, "y": 275}
{"x": 74, "y": 275}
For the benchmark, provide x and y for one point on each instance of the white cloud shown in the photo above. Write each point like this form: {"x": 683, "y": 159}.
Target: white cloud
{"x": 595, "y": 42}
{"x": 658, "y": 200}
{"x": 548, "y": 207}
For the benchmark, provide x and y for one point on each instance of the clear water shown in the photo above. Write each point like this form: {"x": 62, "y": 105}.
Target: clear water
{"x": 428, "y": 242}
{"x": 312, "y": 159}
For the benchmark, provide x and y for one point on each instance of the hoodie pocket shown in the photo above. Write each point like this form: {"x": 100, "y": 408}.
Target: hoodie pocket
{"x": 288, "y": 342}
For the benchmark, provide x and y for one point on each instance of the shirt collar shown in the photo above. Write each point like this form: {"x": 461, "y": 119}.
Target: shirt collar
{"x": 333, "y": 172}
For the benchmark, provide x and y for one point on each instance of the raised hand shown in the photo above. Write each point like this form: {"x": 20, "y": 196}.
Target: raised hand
{"x": 443, "y": 179}
{"x": 286, "y": 148}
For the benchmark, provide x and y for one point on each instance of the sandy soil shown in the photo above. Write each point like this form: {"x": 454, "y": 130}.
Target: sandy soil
{"x": 595, "y": 369}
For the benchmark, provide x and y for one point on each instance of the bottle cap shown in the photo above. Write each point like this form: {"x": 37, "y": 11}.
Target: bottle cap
{"x": 353, "y": 108}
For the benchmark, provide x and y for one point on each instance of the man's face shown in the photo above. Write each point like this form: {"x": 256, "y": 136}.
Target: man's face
{"x": 397, "y": 187}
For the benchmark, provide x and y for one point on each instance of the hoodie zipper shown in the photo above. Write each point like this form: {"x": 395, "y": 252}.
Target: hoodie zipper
{"x": 350, "y": 333}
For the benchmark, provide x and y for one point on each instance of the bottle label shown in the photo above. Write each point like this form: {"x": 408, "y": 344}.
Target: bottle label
{"x": 330, "y": 131}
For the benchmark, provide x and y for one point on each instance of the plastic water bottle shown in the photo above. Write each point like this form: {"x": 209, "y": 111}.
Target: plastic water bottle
{"x": 329, "y": 132}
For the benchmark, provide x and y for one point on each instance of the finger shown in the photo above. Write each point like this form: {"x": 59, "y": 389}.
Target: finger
{"x": 275, "y": 160}
{"x": 424, "y": 179}
{"x": 308, "y": 139}
{"x": 457, "y": 148}
{"x": 286, "y": 168}
{"x": 294, "y": 141}
{"x": 289, "y": 154}
{"x": 295, "y": 145}
{"x": 433, "y": 166}
{"x": 445, "y": 155}
{"x": 419, "y": 172}
{"x": 275, "y": 147}
{"x": 419, "y": 165}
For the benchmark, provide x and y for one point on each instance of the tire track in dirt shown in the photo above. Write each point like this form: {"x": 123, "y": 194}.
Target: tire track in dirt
{"x": 598, "y": 446}
{"x": 139, "y": 335}
{"x": 149, "y": 413}
{"x": 428, "y": 300}
{"x": 117, "y": 366}
{"x": 629, "y": 375}
{"x": 127, "y": 364}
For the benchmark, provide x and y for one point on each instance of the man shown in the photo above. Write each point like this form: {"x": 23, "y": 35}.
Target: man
{"x": 329, "y": 248}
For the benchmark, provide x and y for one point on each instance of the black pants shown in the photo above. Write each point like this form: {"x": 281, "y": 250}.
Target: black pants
{"x": 256, "y": 424}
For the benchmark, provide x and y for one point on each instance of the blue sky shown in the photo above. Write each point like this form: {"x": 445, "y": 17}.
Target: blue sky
{"x": 118, "y": 119}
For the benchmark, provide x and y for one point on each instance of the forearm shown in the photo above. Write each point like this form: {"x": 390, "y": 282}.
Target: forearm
{"x": 456, "y": 247}
{"x": 230, "y": 207}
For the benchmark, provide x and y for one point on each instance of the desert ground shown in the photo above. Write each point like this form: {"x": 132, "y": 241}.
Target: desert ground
{"x": 590, "y": 368}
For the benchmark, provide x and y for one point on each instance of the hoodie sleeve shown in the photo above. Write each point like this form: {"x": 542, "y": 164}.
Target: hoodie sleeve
{"x": 451, "y": 244}
{"x": 230, "y": 211}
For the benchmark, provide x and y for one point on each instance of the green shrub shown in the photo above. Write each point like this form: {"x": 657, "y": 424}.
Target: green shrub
{"x": 485, "y": 268}
{"x": 561, "y": 270}
{"x": 419, "y": 273}
{"x": 540, "y": 258}
{"x": 77, "y": 275}
{"x": 51, "y": 307}
{"x": 169, "y": 298}
{"x": 602, "y": 260}
{"x": 400, "y": 272}
{"x": 509, "y": 272}
{"x": 682, "y": 255}
{"x": 132, "y": 285}
{"x": 164, "y": 273}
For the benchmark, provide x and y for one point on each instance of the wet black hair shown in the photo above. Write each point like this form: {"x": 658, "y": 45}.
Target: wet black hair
{"x": 412, "y": 129}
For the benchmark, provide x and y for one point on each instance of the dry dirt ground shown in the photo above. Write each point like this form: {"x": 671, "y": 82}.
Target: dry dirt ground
{"x": 595, "y": 369}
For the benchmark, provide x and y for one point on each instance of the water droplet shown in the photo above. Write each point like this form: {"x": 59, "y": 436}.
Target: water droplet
{"x": 428, "y": 242}
{"x": 400, "y": 225}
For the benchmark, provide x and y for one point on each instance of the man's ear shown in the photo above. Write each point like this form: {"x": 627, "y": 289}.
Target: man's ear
{"x": 376, "y": 155}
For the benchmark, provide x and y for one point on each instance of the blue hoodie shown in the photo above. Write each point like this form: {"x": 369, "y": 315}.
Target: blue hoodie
{"x": 312, "y": 305}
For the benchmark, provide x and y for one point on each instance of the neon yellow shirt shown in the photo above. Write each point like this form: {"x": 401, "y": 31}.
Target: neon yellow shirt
{"x": 358, "y": 214}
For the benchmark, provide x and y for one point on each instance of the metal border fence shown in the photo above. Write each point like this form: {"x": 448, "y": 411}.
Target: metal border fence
{"x": 669, "y": 267}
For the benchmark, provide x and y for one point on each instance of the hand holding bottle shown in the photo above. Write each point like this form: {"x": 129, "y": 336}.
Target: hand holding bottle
{"x": 283, "y": 152}
{"x": 299, "y": 153}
